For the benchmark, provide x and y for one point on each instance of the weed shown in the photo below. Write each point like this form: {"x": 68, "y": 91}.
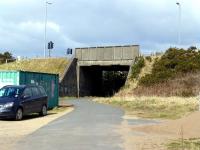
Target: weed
{"x": 148, "y": 58}
{"x": 187, "y": 144}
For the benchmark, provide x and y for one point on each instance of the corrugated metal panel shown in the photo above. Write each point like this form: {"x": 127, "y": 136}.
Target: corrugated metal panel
{"x": 9, "y": 78}
{"x": 50, "y": 82}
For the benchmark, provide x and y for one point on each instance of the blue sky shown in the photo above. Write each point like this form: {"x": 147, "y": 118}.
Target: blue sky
{"x": 80, "y": 23}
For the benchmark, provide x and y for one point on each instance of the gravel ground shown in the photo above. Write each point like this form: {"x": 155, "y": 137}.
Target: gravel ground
{"x": 12, "y": 131}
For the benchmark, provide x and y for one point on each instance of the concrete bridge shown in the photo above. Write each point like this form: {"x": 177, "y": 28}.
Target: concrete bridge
{"x": 85, "y": 74}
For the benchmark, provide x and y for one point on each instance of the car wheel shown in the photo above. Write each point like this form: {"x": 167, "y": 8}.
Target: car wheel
{"x": 19, "y": 114}
{"x": 43, "y": 111}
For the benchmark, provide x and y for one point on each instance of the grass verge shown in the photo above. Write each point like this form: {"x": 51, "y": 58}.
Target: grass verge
{"x": 153, "y": 107}
{"x": 186, "y": 144}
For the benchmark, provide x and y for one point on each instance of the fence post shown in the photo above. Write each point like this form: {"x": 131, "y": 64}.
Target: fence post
{"x": 198, "y": 98}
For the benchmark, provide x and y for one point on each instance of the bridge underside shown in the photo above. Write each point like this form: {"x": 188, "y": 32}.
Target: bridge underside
{"x": 96, "y": 80}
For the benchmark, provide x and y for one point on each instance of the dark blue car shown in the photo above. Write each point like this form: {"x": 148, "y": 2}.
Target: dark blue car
{"x": 17, "y": 101}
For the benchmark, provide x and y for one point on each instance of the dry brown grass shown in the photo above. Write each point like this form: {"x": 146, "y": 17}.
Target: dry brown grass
{"x": 131, "y": 84}
{"x": 187, "y": 85}
{"x": 153, "y": 107}
{"x": 50, "y": 65}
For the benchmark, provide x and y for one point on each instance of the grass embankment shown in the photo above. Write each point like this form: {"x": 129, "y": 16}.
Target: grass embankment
{"x": 49, "y": 65}
{"x": 189, "y": 144}
{"x": 176, "y": 73}
{"x": 153, "y": 107}
{"x": 141, "y": 67}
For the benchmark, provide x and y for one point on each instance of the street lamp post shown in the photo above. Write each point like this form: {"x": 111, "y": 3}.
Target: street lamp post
{"x": 179, "y": 22}
{"x": 45, "y": 27}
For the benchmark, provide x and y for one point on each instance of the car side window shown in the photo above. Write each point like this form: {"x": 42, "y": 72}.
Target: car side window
{"x": 42, "y": 91}
{"x": 35, "y": 91}
{"x": 27, "y": 92}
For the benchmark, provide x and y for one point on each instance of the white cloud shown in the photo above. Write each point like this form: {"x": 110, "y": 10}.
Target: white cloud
{"x": 38, "y": 26}
{"x": 53, "y": 26}
{"x": 152, "y": 24}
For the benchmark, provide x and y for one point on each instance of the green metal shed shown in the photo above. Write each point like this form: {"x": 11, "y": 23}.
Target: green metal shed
{"x": 50, "y": 82}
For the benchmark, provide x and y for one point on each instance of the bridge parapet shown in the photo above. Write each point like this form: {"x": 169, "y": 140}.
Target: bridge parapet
{"x": 109, "y": 53}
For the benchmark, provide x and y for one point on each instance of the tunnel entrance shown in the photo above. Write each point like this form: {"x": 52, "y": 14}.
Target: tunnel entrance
{"x": 112, "y": 81}
{"x": 101, "y": 81}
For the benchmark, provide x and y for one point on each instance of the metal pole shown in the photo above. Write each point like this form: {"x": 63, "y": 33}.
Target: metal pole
{"x": 49, "y": 53}
{"x": 45, "y": 28}
{"x": 179, "y": 22}
{"x": 198, "y": 98}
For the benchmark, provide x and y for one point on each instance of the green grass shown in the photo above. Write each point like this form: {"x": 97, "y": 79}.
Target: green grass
{"x": 137, "y": 67}
{"x": 186, "y": 144}
{"x": 153, "y": 107}
{"x": 50, "y": 65}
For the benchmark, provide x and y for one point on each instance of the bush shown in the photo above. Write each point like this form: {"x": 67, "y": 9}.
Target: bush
{"x": 171, "y": 64}
{"x": 137, "y": 67}
{"x": 6, "y": 56}
{"x": 148, "y": 58}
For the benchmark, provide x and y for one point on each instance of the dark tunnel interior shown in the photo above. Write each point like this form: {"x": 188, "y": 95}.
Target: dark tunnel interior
{"x": 102, "y": 81}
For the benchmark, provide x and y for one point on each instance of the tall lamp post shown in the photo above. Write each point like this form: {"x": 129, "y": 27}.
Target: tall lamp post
{"x": 45, "y": 27}
{"x": 179, "y": 22}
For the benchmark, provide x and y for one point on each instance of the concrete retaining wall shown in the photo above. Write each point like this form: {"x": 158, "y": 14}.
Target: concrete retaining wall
{"x": 68, "y": 84}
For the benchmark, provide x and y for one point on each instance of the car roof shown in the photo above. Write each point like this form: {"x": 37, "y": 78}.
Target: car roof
{"x": 21, "y": 86}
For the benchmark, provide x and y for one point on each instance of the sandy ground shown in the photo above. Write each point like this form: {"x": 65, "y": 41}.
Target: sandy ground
{"x": 12, "y": 131}
{"x": 153, "y": 137}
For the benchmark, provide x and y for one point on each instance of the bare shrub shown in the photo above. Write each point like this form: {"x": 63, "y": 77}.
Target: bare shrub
{"x": 184, "y": 85}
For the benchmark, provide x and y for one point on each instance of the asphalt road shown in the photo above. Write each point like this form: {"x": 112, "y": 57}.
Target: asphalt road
{"x": 90, "y": 126}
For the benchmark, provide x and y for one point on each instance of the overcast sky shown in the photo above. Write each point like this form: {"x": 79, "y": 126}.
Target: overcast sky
{"x": 80, "y": 23}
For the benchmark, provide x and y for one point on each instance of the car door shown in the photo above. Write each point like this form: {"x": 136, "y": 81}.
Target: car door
{"x": 44, "y": 98}
{"x": 36, "y": 99}
{"x": 27, "y": 101}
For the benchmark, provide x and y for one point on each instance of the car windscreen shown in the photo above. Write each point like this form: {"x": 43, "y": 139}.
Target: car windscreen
{"x": 11, "y": 92}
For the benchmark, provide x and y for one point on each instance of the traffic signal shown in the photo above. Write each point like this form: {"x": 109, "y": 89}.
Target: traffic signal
{"x": 69, "y": 51}
{"x": 50, "y": 45}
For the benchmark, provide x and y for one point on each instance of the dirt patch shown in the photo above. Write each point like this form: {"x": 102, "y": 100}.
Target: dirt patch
{"x": 12, "y": 131}
{"x": 154, "y": 137}
{"x": 189, "y": 125}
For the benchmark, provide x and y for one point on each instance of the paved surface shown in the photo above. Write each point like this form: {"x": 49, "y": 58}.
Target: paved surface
{"x": 90, "y": 126}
